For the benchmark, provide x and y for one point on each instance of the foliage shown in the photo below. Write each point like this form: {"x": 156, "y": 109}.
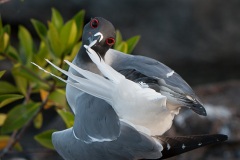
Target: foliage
{"x": 45, "y": 138}
{"x": 125, "y": 46}
{"x": 33, "y": 91}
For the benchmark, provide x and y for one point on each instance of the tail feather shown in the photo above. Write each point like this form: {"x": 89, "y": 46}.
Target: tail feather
{"x": 106, "y": 70}
{"x": 89, "y": 75}
{"x": 96, "y": 86}
{"x": 173, "y": 146}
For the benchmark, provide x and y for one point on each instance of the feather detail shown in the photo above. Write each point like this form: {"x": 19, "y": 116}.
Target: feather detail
{"x": 106, "y": 70}
{"x": 95, "y": 88}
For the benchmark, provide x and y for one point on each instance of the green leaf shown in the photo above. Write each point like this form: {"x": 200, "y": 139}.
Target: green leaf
{"x": 54, "y": 39}
{"x": 40, "y": 28}
{"x": 45, "y": 139}
{"x": 2, "y": 118}
{"x": 4, "y": 39}
{"x": 1, "y": 74}
{"x": 67, "y": 117}
{"x": 1, "y": 26}
{"x": 58, "y": 97}
{"x": 26, "y": 43}
{"x": 29, "y": 75}
{"x": 4, "y": 36}
{"x": 21, "y": 83}
{"x": 7, "y": 88}
{"x": 122, "y": 47}
{"x": 38, "y": 121}
{"x": 9, "y": 98}
{"x": 79, "y": 20}
{"x": 74, "y": 52}
{"x": 1, "y": 44}
{"x": 4, "y": 140}
{"x": 42, "y": 54}
{"x": 132, "y": 42}
{"x": 7, "y": 29}
{"x": 68, "y": 35}
{"x": 43, "y": 51}
{"x": 57, "y": 19}
{"x": 19, "y": 116}
{"x": 118, "y": 39}
{"x": 12, "y": 52}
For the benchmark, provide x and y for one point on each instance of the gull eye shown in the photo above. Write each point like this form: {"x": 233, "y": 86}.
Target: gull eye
{"x": 110, "y": 41}
{"x": 94, "y": 23}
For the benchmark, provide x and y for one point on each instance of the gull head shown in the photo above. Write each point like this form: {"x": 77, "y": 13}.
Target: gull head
{"x": 99, "y": 34}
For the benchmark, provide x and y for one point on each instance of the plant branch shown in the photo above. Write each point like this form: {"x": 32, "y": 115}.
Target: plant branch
{"x": 17, "y": 136}
{"x": 27, "y": 97}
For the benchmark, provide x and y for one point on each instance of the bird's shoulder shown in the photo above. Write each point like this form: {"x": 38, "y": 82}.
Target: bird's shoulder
{"x": 144, "y": 65}
{"x": 148, "y": 70}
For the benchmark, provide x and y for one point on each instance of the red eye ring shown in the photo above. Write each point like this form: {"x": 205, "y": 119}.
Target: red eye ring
{"x": 94, "y": 23}
{"x": 110, "y": 41}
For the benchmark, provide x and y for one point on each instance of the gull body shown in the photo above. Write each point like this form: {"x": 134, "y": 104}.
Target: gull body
{"x": 139, "y": 69}
{"x": 141, "y": 107}
{"x": 133, "y": 142}
{"x": 101, "y": 129}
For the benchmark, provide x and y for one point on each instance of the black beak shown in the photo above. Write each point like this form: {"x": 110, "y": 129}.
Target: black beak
{"x": 94, "y": 39}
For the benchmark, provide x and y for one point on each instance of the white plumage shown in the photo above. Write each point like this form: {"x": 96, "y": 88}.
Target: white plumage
{"x": 143, "y": 108}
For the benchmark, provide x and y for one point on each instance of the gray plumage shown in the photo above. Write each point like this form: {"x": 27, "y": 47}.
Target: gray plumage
{"x": 98, "y": 133}
{"x": 145, "y": 69}
{"x": 97, "y": 119}
{"x": 129, "y": 145}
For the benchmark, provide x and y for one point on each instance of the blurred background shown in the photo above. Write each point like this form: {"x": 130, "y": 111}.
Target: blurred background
{"x": 198, "y": 39}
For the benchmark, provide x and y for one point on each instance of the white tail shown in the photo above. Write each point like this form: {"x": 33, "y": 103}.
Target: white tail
{"x": 106, "y": 70}
{"x": 95, "y": 85}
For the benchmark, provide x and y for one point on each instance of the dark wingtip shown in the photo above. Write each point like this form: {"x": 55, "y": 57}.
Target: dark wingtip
{"x": 199, "y": 109}
{"x": 173, "y": 146}
{"x": 221, "y": 137}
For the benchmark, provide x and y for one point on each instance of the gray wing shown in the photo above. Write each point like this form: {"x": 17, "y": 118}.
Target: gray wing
{"x": 158, "y": 76}
{"x": 129, "y": 145}
{"x": 95, "y": 120}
